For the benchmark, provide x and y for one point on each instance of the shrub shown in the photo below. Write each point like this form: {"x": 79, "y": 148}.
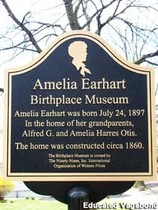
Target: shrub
{"x": 5, "y": 188}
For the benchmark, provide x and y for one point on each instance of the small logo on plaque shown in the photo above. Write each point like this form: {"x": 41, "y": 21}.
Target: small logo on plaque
{"x": 78, "y": 51}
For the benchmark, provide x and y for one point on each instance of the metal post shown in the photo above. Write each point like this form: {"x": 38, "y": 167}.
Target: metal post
{"x": 76, "y": 197}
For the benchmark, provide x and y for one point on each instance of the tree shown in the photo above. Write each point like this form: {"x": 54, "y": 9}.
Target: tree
{"x": 5, "y": 188}
{"x": 127, "y": 25}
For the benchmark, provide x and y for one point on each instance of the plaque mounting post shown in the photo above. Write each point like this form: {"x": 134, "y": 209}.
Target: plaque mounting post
{"x": 76, "y": 197}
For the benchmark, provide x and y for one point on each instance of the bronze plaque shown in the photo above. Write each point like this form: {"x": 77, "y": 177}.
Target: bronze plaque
{"x": 80, "y": 112}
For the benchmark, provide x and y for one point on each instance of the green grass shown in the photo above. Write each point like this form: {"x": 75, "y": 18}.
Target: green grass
{"x": 24, "y": 204}
{"x": 28, "y": 204}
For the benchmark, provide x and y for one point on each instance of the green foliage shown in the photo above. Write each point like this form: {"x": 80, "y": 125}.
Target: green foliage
{"x": 5, "y": 188}
{"x": 139, "y": 184}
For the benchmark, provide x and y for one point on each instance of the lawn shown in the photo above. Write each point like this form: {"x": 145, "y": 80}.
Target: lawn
{"x": 28, "y": 204}
{"x": 24, "y": 204}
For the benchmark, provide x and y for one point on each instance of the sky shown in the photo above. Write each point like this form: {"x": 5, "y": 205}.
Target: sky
{"x": 37, "y": 9}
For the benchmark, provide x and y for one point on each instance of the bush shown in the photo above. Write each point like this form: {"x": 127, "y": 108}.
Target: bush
{"x": 5, "y": 188}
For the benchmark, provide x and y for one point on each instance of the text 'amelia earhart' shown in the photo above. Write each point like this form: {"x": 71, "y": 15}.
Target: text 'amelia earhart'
{"x": 86, "y": 83}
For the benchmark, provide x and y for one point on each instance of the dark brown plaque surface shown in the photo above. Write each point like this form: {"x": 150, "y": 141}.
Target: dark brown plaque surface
{"x": 80, "y": 113}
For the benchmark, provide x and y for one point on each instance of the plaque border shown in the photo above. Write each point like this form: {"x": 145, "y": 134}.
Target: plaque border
{"x": 99, "y": 176}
